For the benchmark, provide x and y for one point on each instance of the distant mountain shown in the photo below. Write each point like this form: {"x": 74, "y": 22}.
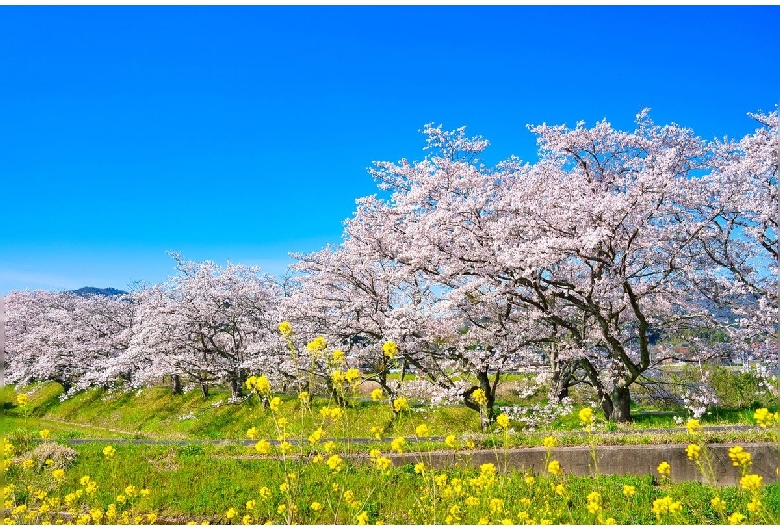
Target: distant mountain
{"x": 107, "y": 291}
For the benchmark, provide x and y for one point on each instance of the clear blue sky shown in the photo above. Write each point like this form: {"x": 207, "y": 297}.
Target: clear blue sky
{"x": 242, "y": 133}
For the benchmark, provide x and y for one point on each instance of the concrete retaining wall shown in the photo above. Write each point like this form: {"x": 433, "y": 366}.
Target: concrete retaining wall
{"x": 615, "y": 460}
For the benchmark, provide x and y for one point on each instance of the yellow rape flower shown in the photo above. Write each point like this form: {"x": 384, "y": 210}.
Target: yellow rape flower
{"x": 479, "y": 397}
{"x": 264, "y": 492}
{"x": 335, "y": 463}
{"x": 419, "y": 468}
{"x": 694, "y": 452}
{"x": 694, "y": 426}
{"x": 530, "y": 481}
{"x": 285, "y": 328}
{"x": 318, "y": 345}
{"x": 736, "y": 518}
{"x": 304, "y": 398}
{"x": 316, "y": 436}
{"x": 496, "y": 505}
{"x": 751, "y": 482}
{"x": 362, "y": 518}
{"x": 275, "y": 402}
{"x": 664, "y": 469}
{"x": 109, "y": 451}
{"x": 422, "y": 431}
{"x": 594, "y": 501}
{"x": 585, "y": 416}
{"x": 58, "y": 474}
{"x": 503, "y": 421}
{"x": 554, "y": 467}
{"x": 285, "y": 447}
{"x": 352, "y": 375}
{"x": 250, "y": 504}
{"x": 718, "y": 504}
{"x": 390, "y": 349}
{"x": 398, "y": 444}
{"x": 764, "y": 418}
{"x": 28, "y": 464}
{"x": 376, "y": 394}
{"x": 263, "y": 447}
{"x": 560, "y": 490}
{"x": 400, "y": 404}
{"x": 739, "y": 457}
{"x": 549, "y": 442}
{"x": 629, "y": 491}
{"x": 754, "y": 506}
{"x": 22, "y": 400}
{"x": 230, "y": 514}
{"x": 45, "y": 434}
{"x": 316, "y": 506}
{"x": 451, "y": 441}
{"x": 329, "y": 446}
{"x": 252, "y": 433}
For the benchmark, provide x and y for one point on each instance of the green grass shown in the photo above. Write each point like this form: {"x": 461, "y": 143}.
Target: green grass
{"x": 188, "y": 484}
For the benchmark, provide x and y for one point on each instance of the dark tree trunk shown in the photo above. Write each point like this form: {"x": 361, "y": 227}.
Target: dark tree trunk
{"x": 176, "y": 384}
{"x": 204, "y": 389}
{"x": 621, "y": 404}
{"x": 235, "y": 388}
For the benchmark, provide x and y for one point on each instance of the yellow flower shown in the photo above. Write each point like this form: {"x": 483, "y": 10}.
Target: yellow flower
{"x": 28, "y": 464}
{"x": 285, "y": 328}
{"x": 376, "y": 394}
{"x": 247, "y": 520}
{"x": 530, "y": 481}
{"x": 329, "y": 446}
{"x": 260, "y": 384}
{"x": 284, "y": 487}
{"x": 338, "y": 357}
{"x": 694, "y": 452}
{"x": 338, "y": 377}
{"x": 352, "y": 375}
{"x": 496, "y": 505}
{"x": 487, "y": 469}
{"x": 400, "y": 404}
{"x": 560, "y": 490}
{"x": 763, "y": 417}
{"x": 629, "y": 491}
{"x": 419, "y": 468}
{"x": 264, "y": 492}
{"x": 285, "y": 447}
{"x": 304, "y": 398}
{"x": 664, "y": 469}
{"x": 694, "y": 426}
{"x": 316, "y": 436}
{"x": 231, "y": 513}
{"x": 554, "y": 467}
{"x": 450, "y": 440}
{"x": 586, "y": 416}
{"x": 422, "y": 431}
{"x": 121, "y": 499}
{"x": 58, "y": 474}
{"x": 503, "y": 421}
{"x": 336, "y": 413}
{"x": 610, "y": 520}
{"x": 397, "y": 445}
{"x": 318, "y": 345}
{"x": 275, "y": 403}
{"x": 250, "y": 504}
{"x": 362, "y": 518}
{"x": 479, "y": 397}
{"x": 718, "y": 504}
{"x": 335, "y": 463}
{"x": 390, "y": 349}
{"x": 594, "y": 501}
{"x": 751, "y": 482}
{"x": 109, "y": 451}
{"x": 316, "y": 506}
{"x": 252, "y": 433}
{"x": 22, "y": 400}
{"x": 739, "y": 457}
{"x": 263, "y": 447}
{"x": 45, "y": 434}
{"x": 736, "y": 518}
{"x": 472, "y": 502}
{"x": 754, "y": 506}
{"x": 549, "y": 442}
{"x": 382, "y": 463}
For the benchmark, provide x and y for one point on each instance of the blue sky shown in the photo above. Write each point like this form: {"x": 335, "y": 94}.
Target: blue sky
{"x": 243, "y": 133}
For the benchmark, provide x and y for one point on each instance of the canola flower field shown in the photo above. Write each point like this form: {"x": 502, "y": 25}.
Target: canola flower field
{"x": 318, "y": 481}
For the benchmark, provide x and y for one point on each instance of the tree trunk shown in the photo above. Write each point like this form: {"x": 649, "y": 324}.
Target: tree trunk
{"x": 560, "y": 381}
{"x": 621, "y": 404}
{"x": 235, "y": 388}
{"x": 204, "y": 389}
{"x": 176, "y": 383}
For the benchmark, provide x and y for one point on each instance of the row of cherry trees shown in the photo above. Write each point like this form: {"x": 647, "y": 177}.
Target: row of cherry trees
{"x": 609, "y": 243}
